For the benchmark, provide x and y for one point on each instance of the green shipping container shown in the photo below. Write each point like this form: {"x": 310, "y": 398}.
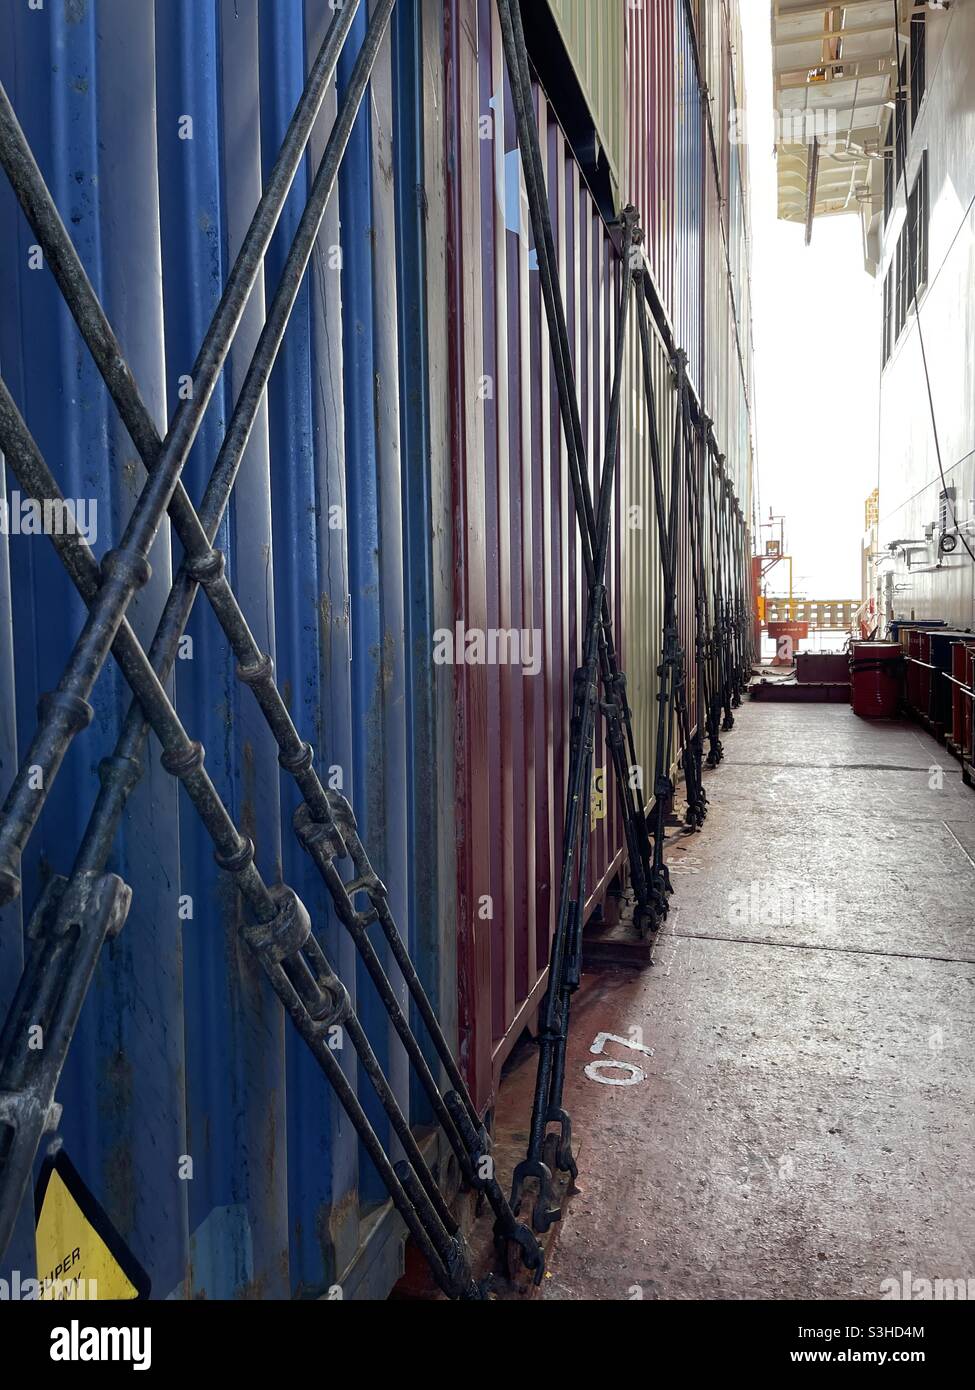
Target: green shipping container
{"x": 596, "y": 51}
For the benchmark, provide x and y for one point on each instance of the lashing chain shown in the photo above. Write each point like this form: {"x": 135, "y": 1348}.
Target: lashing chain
{"x": 672, "y": 713}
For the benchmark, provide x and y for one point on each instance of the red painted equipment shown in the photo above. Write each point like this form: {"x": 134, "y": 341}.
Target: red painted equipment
{"x": 875, "y": 675}
{"x": 797, "y": 631}
{"x": 962, "y": 654}
{"x": 959, "y": 671}
{"x": 819, "y": 668}
{"x": 913, "y": 670}
{"x": 800, "y": 693}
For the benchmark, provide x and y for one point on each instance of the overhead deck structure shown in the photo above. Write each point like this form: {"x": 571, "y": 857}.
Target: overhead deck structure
{"x": 882, "y": 124}
{"x": 834, "y": 73}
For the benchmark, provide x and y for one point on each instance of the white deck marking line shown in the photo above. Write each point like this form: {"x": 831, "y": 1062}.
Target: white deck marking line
{"x": 958, "y": 842}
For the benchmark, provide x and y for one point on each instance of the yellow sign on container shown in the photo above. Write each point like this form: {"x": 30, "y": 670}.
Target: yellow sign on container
{"x": 79, "y": 1252}
{"x": 598, "y": 798}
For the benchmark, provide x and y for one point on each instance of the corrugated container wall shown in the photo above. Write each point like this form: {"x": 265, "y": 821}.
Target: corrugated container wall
{"x": 518, "y": 561}
{"x": 690, "y": 195}
{"x": 154, "y": 126}
{"x": 595, "y": 44}
{"x": 687, "y": 309}
{"x": 727, "y": 382}
{"x": 516, "y": 534}
{"x": 407, "y": 478}
{"x": 642, "y": 598}
{"x": 651, "y": 105}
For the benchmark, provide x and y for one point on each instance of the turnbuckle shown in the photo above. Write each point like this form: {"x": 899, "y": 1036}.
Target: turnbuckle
{"x": 335, "y": 837}
{"x": 459, "y": 1283}
{"x": 715, "y": 748}
{"x": 507, "y": 1229}
{"x": 559, "y": 1145}
{"x": 697, "y": 801}
{"x": 67, "y": 929}
{"x": 556, "y": 1156}
{"x": 547, "y": 1209}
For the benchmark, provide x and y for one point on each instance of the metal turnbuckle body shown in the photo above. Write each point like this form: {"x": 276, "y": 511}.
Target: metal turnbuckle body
{"x": 546, "y": 1209}
{"x": 66, "y": 932}
{"x": 508, "y": 1231}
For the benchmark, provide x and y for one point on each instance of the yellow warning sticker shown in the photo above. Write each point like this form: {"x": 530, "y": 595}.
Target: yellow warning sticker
{"x": 79, "y": 1252}
{"x": 598, "y": 798}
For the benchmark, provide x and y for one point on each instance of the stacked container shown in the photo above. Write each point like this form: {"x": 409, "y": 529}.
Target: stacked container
{"x": 406, "y": 485}
{"x": 940, "y": 649}
{"x": 961, "y": 697}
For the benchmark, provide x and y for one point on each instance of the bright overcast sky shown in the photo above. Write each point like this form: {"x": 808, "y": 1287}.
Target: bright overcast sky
{"x": 817, "y": 359}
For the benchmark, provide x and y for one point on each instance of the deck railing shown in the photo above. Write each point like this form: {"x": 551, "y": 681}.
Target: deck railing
{"x": 825, "y": 615}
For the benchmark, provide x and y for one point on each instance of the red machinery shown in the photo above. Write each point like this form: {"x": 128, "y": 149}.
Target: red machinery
{"x": 968, "y": 727}
{"x": 875, "y": 675}
{"x": 962, "y": 656}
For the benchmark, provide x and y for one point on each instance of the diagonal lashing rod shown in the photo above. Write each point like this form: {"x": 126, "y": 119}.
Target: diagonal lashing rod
{"x": 737, "y": 629}
{"x": 697, "y": 801}
{"x": 697, "y": 808}
{"x": 668, "y": 672}
{"x": 323, "y": 811}
{"x": 731, "y": 612}
{"x": 65, "y": 711}
{"x": 710, "y": 713}
{"x": 716, "y": 753}
{"x": 743, "y": 606}
{"x": 716, "y": 492}
{"x": 666, "y": 529}
{"x": 310, "y": 991}
{"x": 564, "y": 958}
{"x": 280, "y": 936}
{"x": 728, "y": 575}
{"x": 615, "y": 705}
{"x": 599, "y": 658}
{"x": 674, "y": 688}
{"x": 565, "y": 944}
{"x": 702, "y": 628}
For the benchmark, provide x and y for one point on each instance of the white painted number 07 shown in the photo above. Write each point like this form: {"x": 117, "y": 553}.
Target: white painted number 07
{"x": 626, "y": 1073}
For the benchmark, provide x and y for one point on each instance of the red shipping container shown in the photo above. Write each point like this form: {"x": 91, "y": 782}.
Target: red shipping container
{"x": 517, "y": 558}
{"x": 515, "y": 534}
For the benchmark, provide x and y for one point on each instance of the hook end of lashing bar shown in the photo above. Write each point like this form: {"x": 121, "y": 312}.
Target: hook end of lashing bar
{"x": 546, "y": 1209}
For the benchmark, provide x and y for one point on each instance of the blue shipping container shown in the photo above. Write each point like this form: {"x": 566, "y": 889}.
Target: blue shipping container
{"x": 154, "y": 126}
{"x": 405, "y": 473}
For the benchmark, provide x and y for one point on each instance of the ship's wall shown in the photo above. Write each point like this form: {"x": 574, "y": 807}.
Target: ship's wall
{"x": 910, "y": 482}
